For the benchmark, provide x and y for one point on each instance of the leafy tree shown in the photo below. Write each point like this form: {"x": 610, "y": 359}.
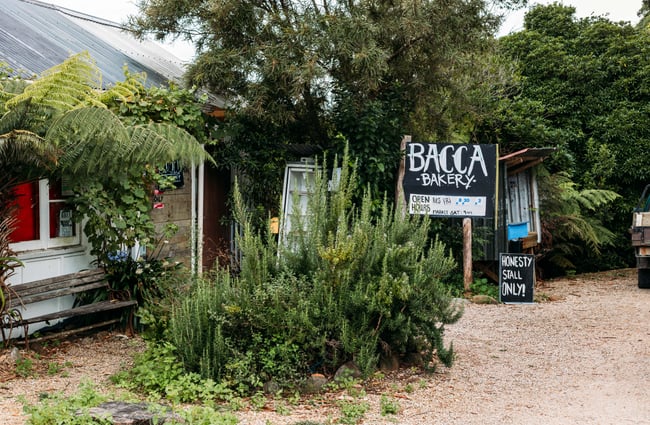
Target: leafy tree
{"x": 305, "y": 71}
{"x": 583, "y": 88}
{"x": 644, "y": 13}
{"x": 584, "y": 85}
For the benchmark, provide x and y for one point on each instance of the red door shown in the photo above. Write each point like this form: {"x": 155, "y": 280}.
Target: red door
{"x": 26, "y": 227}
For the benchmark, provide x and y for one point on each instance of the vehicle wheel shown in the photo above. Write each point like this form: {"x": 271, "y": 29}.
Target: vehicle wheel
{"x": 644, "y": 278}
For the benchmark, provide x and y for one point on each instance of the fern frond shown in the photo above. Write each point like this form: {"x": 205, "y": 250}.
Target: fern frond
{"x": 69, "y": 85}
{"x": 594, "y": 198}
{"x": 559, "y": 258}
{"x": 124, "y": 91}
{"x": 13, "y": 86}
{"x": 9, "y": 88}
{"x": 93, "y": 142}
{"x": 184, "y": 147}
{"x": 148, "y": 147}
{"x": 24, "y": 156}
{"x": 30, "y": 116}
{"x": 576, "y": 227}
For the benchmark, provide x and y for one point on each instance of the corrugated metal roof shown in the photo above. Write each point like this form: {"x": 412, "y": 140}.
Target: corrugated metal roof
{"x": 35, "y": 36}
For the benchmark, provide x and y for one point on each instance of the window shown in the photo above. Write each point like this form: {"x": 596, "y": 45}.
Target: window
{"x": 44, "y": 219}
{"x": 298, "y": 184}
{"x": 298, "y": 187}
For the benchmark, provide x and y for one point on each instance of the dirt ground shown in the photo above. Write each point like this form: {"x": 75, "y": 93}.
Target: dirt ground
{"x": 579, "y": 356}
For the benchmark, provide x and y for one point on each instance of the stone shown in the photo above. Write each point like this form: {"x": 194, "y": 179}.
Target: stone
{"x": 123, "y": 413}
{"x": 271, "y": 387}
{"x": 347, "y": 370}
{"x": 483, "y": 299}
{"x": 389, "y": 363}
{"x": 15, "y": 355}
{"x": 314, "y": 384}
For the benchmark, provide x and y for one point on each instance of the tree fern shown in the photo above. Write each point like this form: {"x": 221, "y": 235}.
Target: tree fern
{"x": 9, "y": 88}
{"x": 124, "y": 91}
{"x": 63, "y": 111}
{"x": 69, "y": 85}
{"x": 570, "y": 222}
{"x": 30, "y": 116}
{"x": 23, "y": 156}
{"x": 93, "y": 142}
{"x": 182, "y": 145}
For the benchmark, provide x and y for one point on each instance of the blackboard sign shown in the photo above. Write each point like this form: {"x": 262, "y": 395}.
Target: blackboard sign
{"x": 450, "y": 180}
{"x": 516, "y": 278}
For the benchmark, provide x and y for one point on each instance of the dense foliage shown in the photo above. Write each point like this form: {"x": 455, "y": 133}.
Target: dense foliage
{"x": 582, "y": 88}
{"x": 297, "y": 72}
{"x": 60, "y": 125}
{"x": 344, "y": 287}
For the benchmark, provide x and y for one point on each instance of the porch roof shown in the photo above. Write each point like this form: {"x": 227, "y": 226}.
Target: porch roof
{"x": 521, "y": 160}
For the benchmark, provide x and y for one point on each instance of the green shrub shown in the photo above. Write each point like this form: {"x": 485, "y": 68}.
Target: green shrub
{"x": 388, "y": 405}
{"x": 158, "y": 374}
{"x": 352, "y": 284}
{"x": 482, "y": 286}
{"x": 352, "y": 411}
{"x": 56, "y": 409}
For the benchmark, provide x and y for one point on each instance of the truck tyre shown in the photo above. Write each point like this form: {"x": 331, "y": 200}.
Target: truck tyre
{"x": 644, "y": 278}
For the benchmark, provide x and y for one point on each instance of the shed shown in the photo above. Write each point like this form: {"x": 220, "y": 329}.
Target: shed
{"x": 518, "y": 226}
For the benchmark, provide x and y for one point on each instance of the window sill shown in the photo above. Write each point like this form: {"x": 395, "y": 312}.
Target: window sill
{"x": 51, "y": 252}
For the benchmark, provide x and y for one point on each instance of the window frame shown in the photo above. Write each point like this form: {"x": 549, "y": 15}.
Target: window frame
{"x": 44, "y": 241}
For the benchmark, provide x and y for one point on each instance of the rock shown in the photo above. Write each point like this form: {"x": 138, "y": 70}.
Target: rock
{"x": 346, "y": 371}
{"x": 413, "y": 359}
{"x": 459, "y": 301}
{"x": 123, "y": 413}
{"x": 314, "y": 384}
{"x": 483, "y": 299}
{"x": 389, "y": 363}
{"x": 120, "y": 336}
{"x": 271, "y": 387}
{"x": 15, "y": 355}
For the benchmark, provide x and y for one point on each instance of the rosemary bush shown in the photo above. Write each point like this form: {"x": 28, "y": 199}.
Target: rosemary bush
{"x": 350, "y": 284}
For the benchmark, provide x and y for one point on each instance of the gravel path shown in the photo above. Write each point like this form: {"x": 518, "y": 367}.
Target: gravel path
{"x": 583, "y": 358}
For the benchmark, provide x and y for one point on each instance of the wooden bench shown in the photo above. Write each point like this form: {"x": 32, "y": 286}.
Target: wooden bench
{"x": 19, "y": 297}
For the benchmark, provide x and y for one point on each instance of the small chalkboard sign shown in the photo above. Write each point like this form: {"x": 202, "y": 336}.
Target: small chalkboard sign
{"x": 516, "y": 278}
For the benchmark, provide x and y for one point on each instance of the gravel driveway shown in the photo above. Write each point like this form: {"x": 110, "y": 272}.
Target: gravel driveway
{"x": 583, "y": 358}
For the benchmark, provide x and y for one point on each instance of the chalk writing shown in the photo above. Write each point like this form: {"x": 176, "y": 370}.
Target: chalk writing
{"x": 514, "y": 289}
{"x": 516, "y": 278}
{"x": 460, "y": 179}
{"x": 441, "y": 180}
{"x": 448, "y": 159}
{"x": 468, "y": 206}
{"x": 516, "y": 260}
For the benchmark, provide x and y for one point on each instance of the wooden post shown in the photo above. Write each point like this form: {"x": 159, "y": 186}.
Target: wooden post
{"x": 467, "y": 253}
{"x": 400, "y": 202}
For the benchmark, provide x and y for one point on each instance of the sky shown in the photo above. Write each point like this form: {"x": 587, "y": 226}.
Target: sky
{"x": 118, "y": 10}
{"x": 614, "y": 10}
